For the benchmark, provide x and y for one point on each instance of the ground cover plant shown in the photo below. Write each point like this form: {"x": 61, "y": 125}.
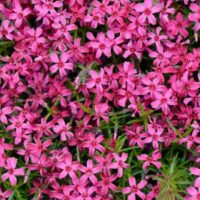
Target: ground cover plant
{"x": 99, "y": 100}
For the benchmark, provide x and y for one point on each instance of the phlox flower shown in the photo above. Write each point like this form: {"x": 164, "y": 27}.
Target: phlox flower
{"x": 18, "y": 14}
{"x": 95, "y": 19}
{"x": 61, "y": 64}
{"x": 179, "y": 25}
{"x": 12, "y": 172}
{"x": 120, "y": 163}
{"x": 89, "y": 171}
{"x": 147, "y": 9}
{"x": 6, "y": 30}
{"x": 63, "y": 129}
{"x": 135, "y": 136}
{"x": 134, "y": 189}
{"x": 97, "y": 80}
{"x": 101, "y": 44}
{"x": 191, "y": 139}
{"x": 68, "y": 167}
{"x": 154, "y": 136}
{"x": 6, "y": 194}
{"x": 93, "y": 143}
{"x": 3, "y": 112}
{"x": 127, "y": 74}
{"x": 106, "y": 182}
{"x": 148, "y": 160}
{"x": 196, "y": 171}
{"x": 193, "y": 193}
{"x": 101, "y": 110}
{"x": 163, "y": 101}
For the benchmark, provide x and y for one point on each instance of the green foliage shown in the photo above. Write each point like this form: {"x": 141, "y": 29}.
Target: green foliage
{"x": 174, "y": 179}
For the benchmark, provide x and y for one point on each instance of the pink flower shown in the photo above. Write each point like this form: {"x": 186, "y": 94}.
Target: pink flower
{"x": 135, "y": 136}
{"x": 147, "y": 9}
{"x": 12, "y": 172}
{"x": 106, "y": 182}
{"x": 64, "y": 29}
{"x": 100, "y": 112}
{"x": 61, "y": 64}
{"x": 195, "y": 17}
{"x": 134, "y": 189}
{"x": 190, "y": 139}
{"x": 6, "y": 194}
{"x": 154, "y": 136}
{"x": 90, "y": 171}
{"x": 43, "y": 127}
{"x": 179, "y": 25}
{"x": 95, "y": 18}
{"x": 68, "y": 167}
{"x": 97, "y": 80}
{"x": 156, "y": 38}
{"x": 19, "y": 15}
{"x": 5, "y": 146}
{"x": 163, "y": 101}
{"x": 153, "y": 159}
{"x": 127, "y": 74}
{"x": 63, "y": 129}
{"x": 3, "y": 112}
{"x": 102, "y": 45}
{"x": 35, "y": 38}
{"x": 196, "y": 171}
{"x": 120, "y": 163}
{"x": 6, "y": 30}
{"x": 38, "y": 146}
{"x": 93, "y": 143}
{"x": 161, "y": 57}
{"x": 194, "y": 193}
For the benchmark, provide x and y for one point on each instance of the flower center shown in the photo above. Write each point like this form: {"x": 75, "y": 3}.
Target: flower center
{"x": 147, "y": 11}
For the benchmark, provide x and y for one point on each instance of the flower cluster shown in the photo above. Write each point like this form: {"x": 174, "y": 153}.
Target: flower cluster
{"x": 87, "y": 88}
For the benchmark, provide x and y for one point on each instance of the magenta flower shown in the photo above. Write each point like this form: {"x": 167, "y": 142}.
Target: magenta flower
{"x": 148, "y": 160}
{"x": 156, "y": 38}
{"x": 6, "y": 194}
{"x": 120, "y": 163}
{"x": 97, "y": 80}
{"x": 3, "y": 112}
{"x": 6, "y": 30}
{"x": 19, "y": 14}
{"x": 154, "y": 136}
{"x": 135, "y": 136}
{"x": 134, "y": 189}
{"x": 179, "y": 25}
{"x": 5, "y": 146}
{"x": 64, "y": 29}
{"x": 12, "y": 172}
{"x": 100, "y": 112}
{"x": 147, "y": 9}
{"x": 89, "y": 172}
{"x": 61, "y": 64}
{"x": 163, "y": 101}
{"x": 106, "y": 182}
{"x": 93, "y": 143}
{"x": 68, "y": 167}
{"x": 194, "y": 193}
{"x": 190, "y": 139}
{"x": 127, "y": 74}
{"x": 63, "y": 130}
{"x": 102, "y": 45}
